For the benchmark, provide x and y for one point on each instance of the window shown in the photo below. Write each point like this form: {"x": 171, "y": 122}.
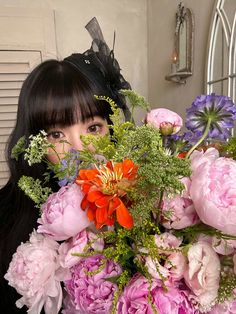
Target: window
{"x": 14, "y": 67}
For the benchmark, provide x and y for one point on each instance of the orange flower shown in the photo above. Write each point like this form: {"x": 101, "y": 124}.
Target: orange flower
{"x": 105, "y": 189}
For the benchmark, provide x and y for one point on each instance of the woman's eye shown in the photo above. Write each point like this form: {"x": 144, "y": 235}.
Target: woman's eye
{"x": 55, "y": 135}
{"x": 95, "y": 128}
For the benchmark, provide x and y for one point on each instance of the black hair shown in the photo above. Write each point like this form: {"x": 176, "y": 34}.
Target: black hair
{"x": 54, "y": 93}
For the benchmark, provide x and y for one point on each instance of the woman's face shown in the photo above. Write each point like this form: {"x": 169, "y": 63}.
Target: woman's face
{"x": 71, "y": 136}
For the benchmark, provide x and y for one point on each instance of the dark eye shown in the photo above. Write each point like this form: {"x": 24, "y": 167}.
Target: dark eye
{"x": 55, "y": 135}
{"x": 95, "y": 128}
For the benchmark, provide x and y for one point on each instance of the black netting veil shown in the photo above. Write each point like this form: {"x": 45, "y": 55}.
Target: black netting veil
{"x": 99, "y": 65}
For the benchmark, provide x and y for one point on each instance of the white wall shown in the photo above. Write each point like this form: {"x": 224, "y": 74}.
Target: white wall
{"x": 144, "y": 40}
{"x": 127, "y": 17}
{"x": 161, "y": 27}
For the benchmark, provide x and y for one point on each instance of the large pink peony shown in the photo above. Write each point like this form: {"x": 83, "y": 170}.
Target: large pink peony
{"x": 169, "y": 122}
{"x": 35, "y": 273}
{"x": 62, "y": 215}
{"x": 203, "y": 273}
{"x": 135, "y": 298}
{"x": 92, "y": 293}
{"x": 213, "y": 190}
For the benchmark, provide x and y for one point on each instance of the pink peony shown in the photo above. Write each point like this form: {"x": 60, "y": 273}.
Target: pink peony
{"x": 199, "y": 158}
{"x": 77, "y": 244}
{"x": 62, "y": 215}
{"x": 213, "y": 190}
{"x": 203, "y": 273}
{"x": 173, "y": 301}
{"x": 228, "y": 307}
{"x": 179, "y": 212}
{"x": 135, "y": 299}
{"x": 92, "y": 293}
{"x": 35, "y": 273}
{"x": 169, "y": 122}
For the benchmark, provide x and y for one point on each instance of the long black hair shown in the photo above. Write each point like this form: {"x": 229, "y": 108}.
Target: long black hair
{"x": 54, "y": 93}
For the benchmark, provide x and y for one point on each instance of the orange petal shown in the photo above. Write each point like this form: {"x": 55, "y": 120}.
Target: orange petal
{"x": 84, "y": 203}
{"x": 93, "y": 196}
{"x": 103, "y": 201}
{"x": 110, "y": 165}
{"x": 87, "y": 174}
{"x": 91, "y": 214}
{"x": 101, "y": 215}
{"x": 85, "y": 187}
{"x": 123, "y": 217}
{"x": 113, "y": 204}
{"x": 110, "y": 221}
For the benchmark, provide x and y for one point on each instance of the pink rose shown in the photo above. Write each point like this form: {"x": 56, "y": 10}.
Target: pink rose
{"x": 62, "y": 215}
{"x": 219, "y": 245}
{"x": 223, "y": 247}
{"x": 89, "y": 289}
{"x": 35, "y": 273}
{"x": 203, "y": 273}
{"x": 169, "y": 122}
{"x": 179, "y": 212}
{"x": 175, "y": 263}
{"x": 213, "y": 190}
{"x": 167, "y": 240}
{"x": 77, "y": 244}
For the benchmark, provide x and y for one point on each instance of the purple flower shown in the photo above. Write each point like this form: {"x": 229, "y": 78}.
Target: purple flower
{"x": 69, "y": 167}
{"x": 92, "y": 293}
{"x": 219, "y": 109}
{"x": 135, "y": 298}
{"x": 191, "y": 137}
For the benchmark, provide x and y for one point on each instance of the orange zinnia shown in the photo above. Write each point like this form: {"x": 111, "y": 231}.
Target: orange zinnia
{"x": 105, "y": 188}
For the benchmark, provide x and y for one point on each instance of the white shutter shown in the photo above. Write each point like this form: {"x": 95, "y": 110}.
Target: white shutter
{"x": 14, "y": 68}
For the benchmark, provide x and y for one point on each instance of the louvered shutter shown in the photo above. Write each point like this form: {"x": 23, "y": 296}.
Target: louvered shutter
{"x": 14, "y": 67}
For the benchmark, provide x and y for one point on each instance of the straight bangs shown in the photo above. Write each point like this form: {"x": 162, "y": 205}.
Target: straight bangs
{"x": 65, "y": 98}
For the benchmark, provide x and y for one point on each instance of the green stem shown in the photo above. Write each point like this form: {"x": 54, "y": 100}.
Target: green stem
{"x": 201, "y": 139}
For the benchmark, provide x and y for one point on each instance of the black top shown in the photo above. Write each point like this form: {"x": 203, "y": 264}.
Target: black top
{"x": 18, "y": 218}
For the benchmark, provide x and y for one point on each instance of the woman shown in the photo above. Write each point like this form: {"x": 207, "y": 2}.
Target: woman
{"x": 58, "y": 97}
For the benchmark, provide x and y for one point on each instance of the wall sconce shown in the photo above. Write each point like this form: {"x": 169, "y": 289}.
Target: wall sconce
{"x": 182, "y": 56}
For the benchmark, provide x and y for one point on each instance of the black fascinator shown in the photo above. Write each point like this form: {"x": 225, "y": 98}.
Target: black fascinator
{"x": 99, "y": 65}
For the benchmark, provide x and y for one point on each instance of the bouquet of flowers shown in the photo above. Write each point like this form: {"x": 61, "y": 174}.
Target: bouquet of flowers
{"x": 144, "y": 220}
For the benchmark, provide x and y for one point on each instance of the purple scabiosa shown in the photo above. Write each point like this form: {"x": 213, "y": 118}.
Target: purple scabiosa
{"x": 213, "y": 115}
{"x": 216, "y": 113}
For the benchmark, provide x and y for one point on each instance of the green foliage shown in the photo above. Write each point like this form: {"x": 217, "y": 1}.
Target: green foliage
{"x": 135, "y": 100}
{"x": 230, "y": 147}
{"x": 34, "y": 189}
{"x": 37, "y": 149}
{"x": 227, "y": 286}
{"x": 19, "y": 148}
{"x": 190, "y": 234}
